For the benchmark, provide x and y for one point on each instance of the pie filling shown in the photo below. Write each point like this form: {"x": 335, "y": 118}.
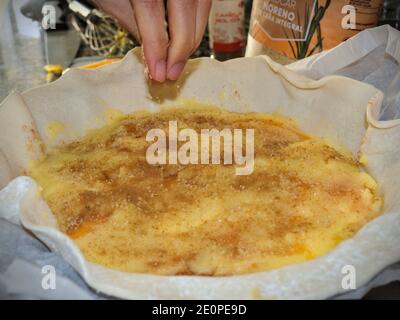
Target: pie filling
{"x": 304, "y": 196}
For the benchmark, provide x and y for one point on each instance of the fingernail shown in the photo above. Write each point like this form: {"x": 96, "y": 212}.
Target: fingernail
{"x": 160, "y": 71}
{"x": 175, "y": 71}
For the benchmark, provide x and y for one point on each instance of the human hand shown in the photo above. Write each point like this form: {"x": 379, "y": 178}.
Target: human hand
{"x": 166, "y": 50}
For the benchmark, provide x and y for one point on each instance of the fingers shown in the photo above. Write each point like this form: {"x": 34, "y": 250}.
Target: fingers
{"x": 182, "y": 31}
{"x": 202, "y": 13}
{"x": 123, "y": 12}
{"x": 165, "y": 55}
{"x": 187, "y": 21}
{"x": 150, "y": 18}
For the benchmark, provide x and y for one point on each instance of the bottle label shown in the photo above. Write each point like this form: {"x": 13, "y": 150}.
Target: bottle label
{"x": 226, "y": 25}
{"x": 300, "y": 28}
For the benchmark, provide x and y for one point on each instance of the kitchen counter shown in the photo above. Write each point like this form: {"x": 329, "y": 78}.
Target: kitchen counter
{"x": 21, "y": 50}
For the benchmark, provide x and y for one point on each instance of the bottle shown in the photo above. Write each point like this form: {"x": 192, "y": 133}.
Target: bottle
{"x": 226, "y": 29}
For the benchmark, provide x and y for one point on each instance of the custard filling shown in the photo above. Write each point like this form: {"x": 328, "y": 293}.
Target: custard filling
{"x": 302, "y": 199}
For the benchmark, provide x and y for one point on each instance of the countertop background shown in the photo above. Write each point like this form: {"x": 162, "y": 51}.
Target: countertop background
{"x": 21, "y": 50}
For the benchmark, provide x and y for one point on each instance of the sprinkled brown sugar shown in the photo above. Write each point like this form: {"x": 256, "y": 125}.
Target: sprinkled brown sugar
{"x": 203, "y": 219}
